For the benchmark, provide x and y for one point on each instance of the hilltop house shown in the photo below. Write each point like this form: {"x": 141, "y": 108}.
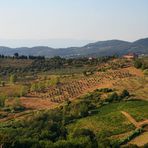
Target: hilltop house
{"x": 130, "y": 56}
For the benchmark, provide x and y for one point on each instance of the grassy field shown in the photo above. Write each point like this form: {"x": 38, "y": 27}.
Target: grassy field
{"x": 15, "y": 62}
{"x": 70, "y": 70}
{"x": 109, "y": 121}
{"x": 10, "y": 90}
{"x": 137, "y": 86}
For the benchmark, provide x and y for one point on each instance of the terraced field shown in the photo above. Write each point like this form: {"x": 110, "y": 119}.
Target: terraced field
{"x": 76, "y": 88}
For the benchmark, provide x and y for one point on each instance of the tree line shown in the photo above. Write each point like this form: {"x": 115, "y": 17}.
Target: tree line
{"x": 17, "y": 56}
{"x": 42, "y": 64}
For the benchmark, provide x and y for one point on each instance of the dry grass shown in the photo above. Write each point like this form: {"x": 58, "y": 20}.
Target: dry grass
{"x": 140, "y": 140}
{"x": 137, "y": 86}
{"x": 36, "y": 103}
{"x": 15, "y": 62}
{"x": 10, "y": 90}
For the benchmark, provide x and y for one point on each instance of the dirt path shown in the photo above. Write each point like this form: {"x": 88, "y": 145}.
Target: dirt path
{"x": 133, "y": 121}
{"x": 143, "y": 123}
{"x": 17, "y": 115}
{"x": 142, "y": 139}
{"x": 130, "y": 118}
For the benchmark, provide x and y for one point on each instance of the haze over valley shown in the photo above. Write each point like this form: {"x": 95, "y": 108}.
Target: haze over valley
{"x": 73, "y": 74}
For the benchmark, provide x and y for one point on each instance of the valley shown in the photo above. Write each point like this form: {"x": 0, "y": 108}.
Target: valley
{"x": 100, "y": 95}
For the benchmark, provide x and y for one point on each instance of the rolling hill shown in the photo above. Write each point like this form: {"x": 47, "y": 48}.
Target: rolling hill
{"x": 101, "y": 48}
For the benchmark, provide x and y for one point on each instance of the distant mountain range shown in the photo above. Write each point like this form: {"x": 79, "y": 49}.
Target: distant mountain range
{"x": 101, "y": 48}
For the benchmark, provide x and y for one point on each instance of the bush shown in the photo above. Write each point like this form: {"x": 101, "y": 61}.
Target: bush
{"x": 130, "y": 137}
{"x": 23, "y": 91}
{"x": 104, "y": 143}
{"x": 13, "y": 79}
{"x": 137, "y": 63}
{"x": 19, "y": 108}
{"x": 83, "y": 110}
{"x": 78, "y": 110}
{"x": 78, "y": 142}
{"x": 113, "y": 97}
{"x": 105, "y": 90}
{"x": 124, "y": 94}
{"x": 86, "y": 133}
{"x": 83, "y": 132}
{"x": 46, "y": 144}
{"x": 26, "y": 143}
{"x": 2, "y": 100}
{"x": 145, "y": 71}
{"x": 131, "y": 146}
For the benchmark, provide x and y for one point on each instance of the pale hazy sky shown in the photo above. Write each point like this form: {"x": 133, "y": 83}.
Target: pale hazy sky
{"x": 73, "y": 19}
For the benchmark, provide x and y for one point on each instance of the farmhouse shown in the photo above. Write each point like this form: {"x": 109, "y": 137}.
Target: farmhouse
{"x": 130, "y": 56}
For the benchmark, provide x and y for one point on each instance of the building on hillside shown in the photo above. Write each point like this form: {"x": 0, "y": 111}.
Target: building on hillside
{"x": 90, "y": 58}
{"x": 143, "y": 55}
{"x": 130, "y": 56}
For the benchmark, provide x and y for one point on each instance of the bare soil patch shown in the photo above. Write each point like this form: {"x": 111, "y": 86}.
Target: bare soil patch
{"x": 37, "y": 103}
{"x": 140, "y": 140}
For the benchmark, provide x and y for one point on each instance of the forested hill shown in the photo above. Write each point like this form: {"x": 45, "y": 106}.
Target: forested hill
{"x": 101, "y": 48}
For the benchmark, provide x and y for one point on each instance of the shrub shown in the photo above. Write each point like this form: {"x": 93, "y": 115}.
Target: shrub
{"x": 105, "y": 90}
{"x": 130, "y": 137}
{"x": 124, "y": 94}
{"x": 83, "y": 132}
{"x": 145, "y": 71}
{"x": 113, "y": 97}
{"x": 83, "y": 110}
{"x": 86, "y": 133}
{"x": 13, "y": 78}
{"x": 23, "y": 91}
{"x": 137, "y": 63}
{"x": 34, "y": 87}
{"x": 78, "y": 142}
{"x": 2, "y": 100}
{"x": 27, "y": 142}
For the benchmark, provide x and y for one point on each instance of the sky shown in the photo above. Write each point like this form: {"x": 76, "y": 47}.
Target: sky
{"x": 71, "y": 22}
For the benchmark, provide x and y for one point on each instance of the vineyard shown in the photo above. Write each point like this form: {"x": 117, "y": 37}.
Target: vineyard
{"x": 75, "y": 88}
